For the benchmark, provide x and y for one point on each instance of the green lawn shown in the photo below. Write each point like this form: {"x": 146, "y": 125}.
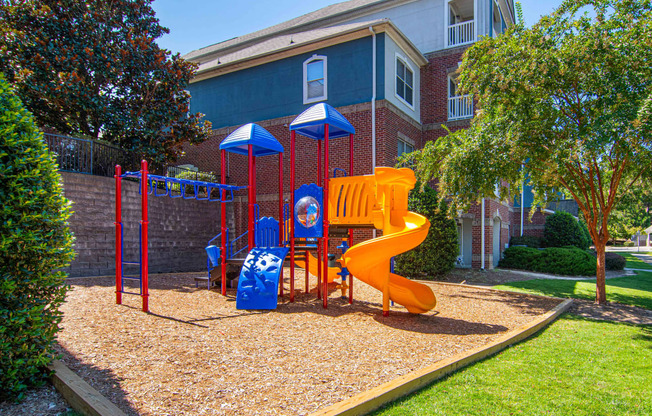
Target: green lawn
{"x": 574, "y": 367}
{"x": 630, "y": 290}
{"x": 634, "y": 262}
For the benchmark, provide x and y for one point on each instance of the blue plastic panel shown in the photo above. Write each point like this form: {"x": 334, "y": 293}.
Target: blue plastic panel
{"x": 258, "y": 282}
{"x": 262, "y": 141}
{"x": 311, "y": 123}
{"x": 308, "y": 222}
{"x": 267, "y": 230}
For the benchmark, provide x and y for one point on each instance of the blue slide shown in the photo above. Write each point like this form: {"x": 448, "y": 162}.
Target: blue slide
{"x": 258, "y": 282}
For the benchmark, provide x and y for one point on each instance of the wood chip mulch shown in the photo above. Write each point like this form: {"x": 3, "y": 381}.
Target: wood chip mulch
{"x": 195, "y": 354}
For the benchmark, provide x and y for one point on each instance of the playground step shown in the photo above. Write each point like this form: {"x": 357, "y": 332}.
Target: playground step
{"x": 338, "y": 232}
{"x": 132, "y": 277}
{"x": 304, "y": 248}
{"x": 135, "y": 263}
{"x": 215, "y": 280}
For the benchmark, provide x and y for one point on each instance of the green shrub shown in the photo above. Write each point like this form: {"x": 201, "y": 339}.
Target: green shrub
{"x": 629, "y": 243}
{"x": 519, "y": 258}
{"x": 437, "y": 254}
{"x": 526, "y": 240}
{"x": 613, "y": 261}
{"x": 566, "y": 261}
{"x": 569, "y": 261}
{"x": 562, "y": 229}
{"x": 34, "y": 242}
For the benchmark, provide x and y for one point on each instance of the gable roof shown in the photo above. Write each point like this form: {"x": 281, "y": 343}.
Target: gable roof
{"x": 282, "y": 46}
{"x": 328, "y": 15}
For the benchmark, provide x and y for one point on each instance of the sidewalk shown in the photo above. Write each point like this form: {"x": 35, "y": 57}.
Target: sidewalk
{"x": 610, "y": 274}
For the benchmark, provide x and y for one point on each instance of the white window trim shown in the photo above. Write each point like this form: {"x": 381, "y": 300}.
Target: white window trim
{"x": 406, "y": 62}
{"x": 324, "y": 97}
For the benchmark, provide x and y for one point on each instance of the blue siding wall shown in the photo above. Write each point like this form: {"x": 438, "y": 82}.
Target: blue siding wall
{"x": 275, "y": 89}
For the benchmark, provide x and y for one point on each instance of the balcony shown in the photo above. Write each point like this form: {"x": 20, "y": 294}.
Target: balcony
{"x": 460, "y": 107}
{"x": 461, "y": 33}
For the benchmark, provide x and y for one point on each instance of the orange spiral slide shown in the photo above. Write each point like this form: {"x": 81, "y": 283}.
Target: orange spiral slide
{"x": 381, "y": 199}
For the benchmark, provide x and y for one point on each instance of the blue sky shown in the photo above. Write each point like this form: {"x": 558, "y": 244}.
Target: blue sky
{"x": 197, "y": 23}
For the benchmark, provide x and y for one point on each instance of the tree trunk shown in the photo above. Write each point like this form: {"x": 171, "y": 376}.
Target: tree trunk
{"x": 600, "y": 284}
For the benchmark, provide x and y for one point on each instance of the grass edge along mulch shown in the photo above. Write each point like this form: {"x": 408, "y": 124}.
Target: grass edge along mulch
{"x": 575, "y": 366}
{"x": 633, "y": 290}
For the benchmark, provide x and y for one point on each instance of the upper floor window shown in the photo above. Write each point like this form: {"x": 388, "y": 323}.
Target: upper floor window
{"x": 404, "y": 147}
{"x": 315, "y": 79}
{"x": 404, "y": 81}
{"x": 498, "y": 22}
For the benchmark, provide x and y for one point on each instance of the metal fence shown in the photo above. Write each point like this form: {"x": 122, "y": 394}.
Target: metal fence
{"x": 89, "y": 156}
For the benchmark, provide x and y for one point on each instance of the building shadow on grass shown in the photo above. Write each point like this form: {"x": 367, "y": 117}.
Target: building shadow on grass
{"x": 101, "y": 379}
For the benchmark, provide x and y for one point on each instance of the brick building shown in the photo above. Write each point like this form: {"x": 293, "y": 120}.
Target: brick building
{"x": 387, "y": 65}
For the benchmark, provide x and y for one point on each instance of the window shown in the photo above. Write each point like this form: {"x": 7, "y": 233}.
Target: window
{"x": 404, "y": 81}
{"x": 315, "y": 79}
{"x": 404, "y": 147}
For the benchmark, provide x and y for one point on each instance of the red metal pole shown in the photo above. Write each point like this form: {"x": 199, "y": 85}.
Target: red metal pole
{"x": 223, "y": 222}
{"x": 307, "y": 273}
{"x": 325, "y": 219}
{"x": 350, "y": 229}
{"x": 280, "y": 212}
{"x": 319, "y": 241}
{"x": 144, "y": 222}
{"x": 250, "y": 225}
{"x": 292, "y": 187}
{"x": 255, "y": 190}
{"x": 118, "y": 235}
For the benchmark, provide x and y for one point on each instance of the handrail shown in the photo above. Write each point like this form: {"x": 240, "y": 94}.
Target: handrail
{"x": 233, "y": 244}
{"x": 460, "y": 107}
{"x": 461, "y": 33}
{"x": 339, "y": 169}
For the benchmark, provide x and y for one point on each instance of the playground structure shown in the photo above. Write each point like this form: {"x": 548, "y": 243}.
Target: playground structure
{"x": 330, "y": 208}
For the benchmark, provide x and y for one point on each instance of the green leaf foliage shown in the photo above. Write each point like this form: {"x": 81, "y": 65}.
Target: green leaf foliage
{"x": 566, "y": 103}
{"x": 526, "y": 240}
{"x": 93, "y": 68}
{"x": 569, "y": 261}
{"x": 614, "y": 261}
{"x": 562, "y": 229}
{"x": 437, "y": 254}
{"x": 35, "y": 243}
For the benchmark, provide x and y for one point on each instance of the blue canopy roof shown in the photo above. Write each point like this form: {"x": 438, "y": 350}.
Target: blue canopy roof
{"x": 262, "y": 141}
{"x": 311, "y": 123}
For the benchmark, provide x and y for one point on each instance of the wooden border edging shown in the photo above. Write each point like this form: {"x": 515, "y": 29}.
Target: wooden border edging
{"x": 79, "y": 394}
{"x": 370, "y": 400}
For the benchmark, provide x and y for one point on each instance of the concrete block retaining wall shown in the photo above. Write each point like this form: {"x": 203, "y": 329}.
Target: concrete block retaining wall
{"x": 178, "y": 229}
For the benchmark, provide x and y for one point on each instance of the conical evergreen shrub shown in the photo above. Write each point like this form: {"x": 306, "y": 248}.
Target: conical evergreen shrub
{"x": 34, "y": 243}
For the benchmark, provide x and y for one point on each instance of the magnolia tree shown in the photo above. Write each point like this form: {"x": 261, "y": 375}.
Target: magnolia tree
{"x": 567, "y": 102}
{"x": 93, "y": 68}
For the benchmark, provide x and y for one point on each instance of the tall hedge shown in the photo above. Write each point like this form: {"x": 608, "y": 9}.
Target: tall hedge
{"x": 562, "y": 230}
{"x": 437, "y": 254}
{"x": 34, "y": 242}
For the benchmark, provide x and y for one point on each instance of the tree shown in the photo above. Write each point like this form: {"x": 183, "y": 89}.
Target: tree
{"x": 570, "y": 100}
{"x": 93, "y": 68}
{"x": 35, "y": 243}
{"x": 633, "y": 212}
{"x": 438, "y": 252}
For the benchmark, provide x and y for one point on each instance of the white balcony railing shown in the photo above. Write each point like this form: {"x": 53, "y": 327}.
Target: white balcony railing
{"x": 460, "y": 107}
{"x": 461, "y": 33}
